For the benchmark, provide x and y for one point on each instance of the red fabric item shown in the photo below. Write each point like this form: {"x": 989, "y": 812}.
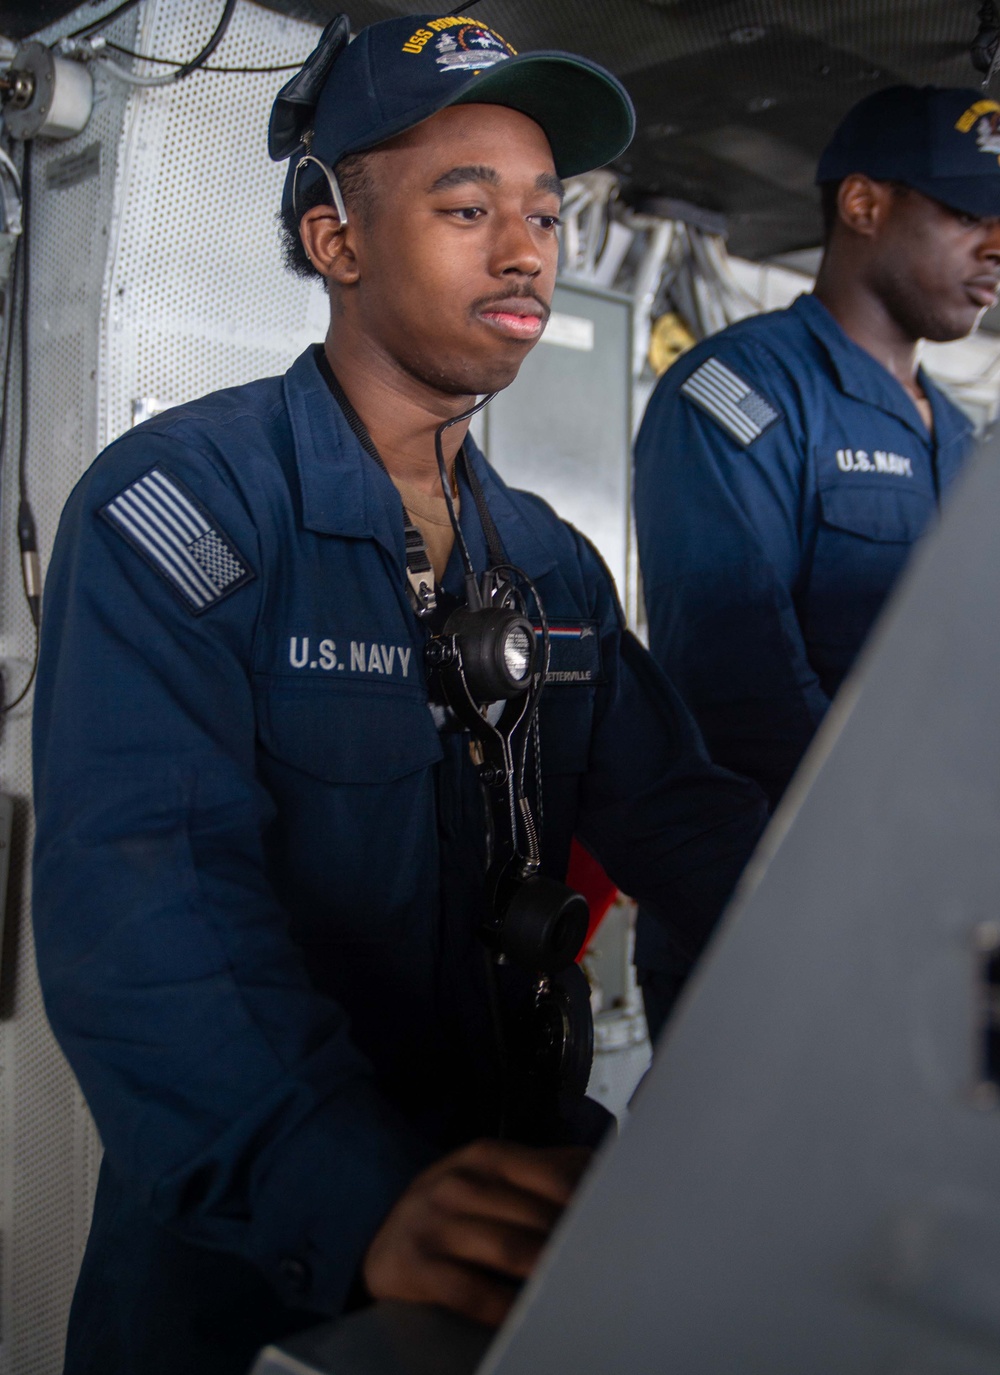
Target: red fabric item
{"x": 588, "y": 878}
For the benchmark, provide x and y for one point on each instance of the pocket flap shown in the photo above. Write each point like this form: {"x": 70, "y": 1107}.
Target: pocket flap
{"x": 889, "y": 515}
{"x": 345, "y": 736}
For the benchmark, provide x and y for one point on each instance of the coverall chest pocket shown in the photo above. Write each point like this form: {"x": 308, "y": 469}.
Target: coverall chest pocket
{"x": 351, "y": 846}
{"x": 863, "y": 539}
{"x": 345, "y": 736}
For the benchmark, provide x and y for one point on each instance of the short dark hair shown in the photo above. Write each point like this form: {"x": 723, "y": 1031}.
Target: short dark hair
{"x": 354, "y": 173}
{"x": 829, "y": 191}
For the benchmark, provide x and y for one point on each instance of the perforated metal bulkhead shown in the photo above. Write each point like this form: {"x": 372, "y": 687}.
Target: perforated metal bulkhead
{"x": 156, "y": 273}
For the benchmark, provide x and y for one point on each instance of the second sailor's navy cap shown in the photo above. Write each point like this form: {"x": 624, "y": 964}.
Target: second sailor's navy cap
{"x": 942, "y": 141}
{"x": 351, "y": 96}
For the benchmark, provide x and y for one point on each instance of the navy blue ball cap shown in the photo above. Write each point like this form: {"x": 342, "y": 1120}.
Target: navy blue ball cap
{"x": 943, "y": 141}
{"x": 398, "y": 73}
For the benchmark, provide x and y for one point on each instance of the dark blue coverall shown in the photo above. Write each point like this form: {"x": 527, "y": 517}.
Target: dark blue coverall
{"x": 259, "y": 865}
{"x": 781, "y": 477}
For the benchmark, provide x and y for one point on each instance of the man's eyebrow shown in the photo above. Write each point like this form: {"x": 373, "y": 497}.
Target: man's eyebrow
{"x": 548, "y": 181}
{"x": 458, "y": 176}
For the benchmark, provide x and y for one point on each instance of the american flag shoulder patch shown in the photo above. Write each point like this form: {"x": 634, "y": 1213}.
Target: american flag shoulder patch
{"x": 731, "y": 402}
{"x": 179, "y": 539}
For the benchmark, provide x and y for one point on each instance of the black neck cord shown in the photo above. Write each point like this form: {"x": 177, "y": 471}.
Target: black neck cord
{"x": 521, "y": 817}
{"x": 472, "y": 592}
{"x": 350, "y": 414}
{"x": 499, "y": 562}
{"x": 498, "y": 555}
{"x": 419, "y": 573}
{"x": 360, "y": 431}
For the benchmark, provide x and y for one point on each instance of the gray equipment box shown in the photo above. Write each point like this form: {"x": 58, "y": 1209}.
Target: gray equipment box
{"x": 809, "y": 1181}
{"x": 563, "y": 428}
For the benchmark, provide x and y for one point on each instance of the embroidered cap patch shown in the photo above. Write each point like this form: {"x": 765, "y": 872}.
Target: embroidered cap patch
{"x": 179, "y": 539}
{"x": 730, "y": 401}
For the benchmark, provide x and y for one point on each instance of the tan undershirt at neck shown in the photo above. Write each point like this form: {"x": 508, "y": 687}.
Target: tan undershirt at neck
{"x": 923, "y": 405}
{"x": 430, "y": 515}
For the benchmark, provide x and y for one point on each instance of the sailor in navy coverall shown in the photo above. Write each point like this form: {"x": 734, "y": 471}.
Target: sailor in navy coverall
{"x": 786, "y": 466}
{"x": 259, "y": 871}
{"x": 781, "y": 478}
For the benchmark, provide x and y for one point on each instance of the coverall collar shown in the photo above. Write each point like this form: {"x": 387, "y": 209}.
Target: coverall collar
{"x": 345, "y": 493}
{"x": 863, "y": 377}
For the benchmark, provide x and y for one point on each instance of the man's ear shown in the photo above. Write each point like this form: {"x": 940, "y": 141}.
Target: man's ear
{"x": 329, "y": 245}
{"x": 862, "y": 204}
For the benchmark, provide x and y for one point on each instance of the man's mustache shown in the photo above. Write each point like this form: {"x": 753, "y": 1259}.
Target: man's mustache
{"x": 511, "y": 294}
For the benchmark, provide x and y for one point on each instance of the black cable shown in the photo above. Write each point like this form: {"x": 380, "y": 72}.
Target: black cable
{"x": 531, "y": 732}
{"x": 199, "y": 62}
{"x": 205, "y": 67}
{"x": 184, "y": 69}
{"x": 498, "y": 555}
{"x": 253, "y": 71}
{"x": 27, "y": 537}
{"x": 20, "y": 282}
{"x": 211, "y": 45}
{"x": 15, "y": 276}
{"x": 471, "y": 586}
{"x": 25, "y": 286}
{"x": 500, "y": 563}
{"x": 9, "y": 706}
{"x": 95, "y": 25}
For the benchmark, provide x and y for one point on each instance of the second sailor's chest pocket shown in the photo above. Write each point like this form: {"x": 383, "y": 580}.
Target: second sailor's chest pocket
{"x": 876, "y": 510}
{"x": 863, "y": 535}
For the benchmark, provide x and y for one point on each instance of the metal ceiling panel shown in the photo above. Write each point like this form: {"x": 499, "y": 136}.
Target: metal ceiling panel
{"x": 735, "y": 98}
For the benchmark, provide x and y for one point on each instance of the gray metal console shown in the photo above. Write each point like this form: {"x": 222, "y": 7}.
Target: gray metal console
{"x": 809, "y": 1183}
{"x": 386, "y": 1339}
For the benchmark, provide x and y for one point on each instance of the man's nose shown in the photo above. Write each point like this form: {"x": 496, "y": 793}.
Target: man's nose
{"x": 516, "y": 252}
{"x": 990, "y": 246}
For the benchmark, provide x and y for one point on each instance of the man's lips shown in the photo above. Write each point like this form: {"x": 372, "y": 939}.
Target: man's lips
{"x": 518, "y": 317}
{"x": 983, "y": 290}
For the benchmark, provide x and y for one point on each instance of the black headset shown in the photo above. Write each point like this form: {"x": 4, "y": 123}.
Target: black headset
{"x": 487, "y": 653}
{"x": 490, "y": 668}
{"x": 488, "y": 664}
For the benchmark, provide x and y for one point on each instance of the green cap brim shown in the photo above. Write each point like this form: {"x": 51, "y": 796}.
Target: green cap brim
{"x": 585, "y": 112}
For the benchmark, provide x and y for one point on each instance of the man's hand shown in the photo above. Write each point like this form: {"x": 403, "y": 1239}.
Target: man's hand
{"x": 469, "y": 1229}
